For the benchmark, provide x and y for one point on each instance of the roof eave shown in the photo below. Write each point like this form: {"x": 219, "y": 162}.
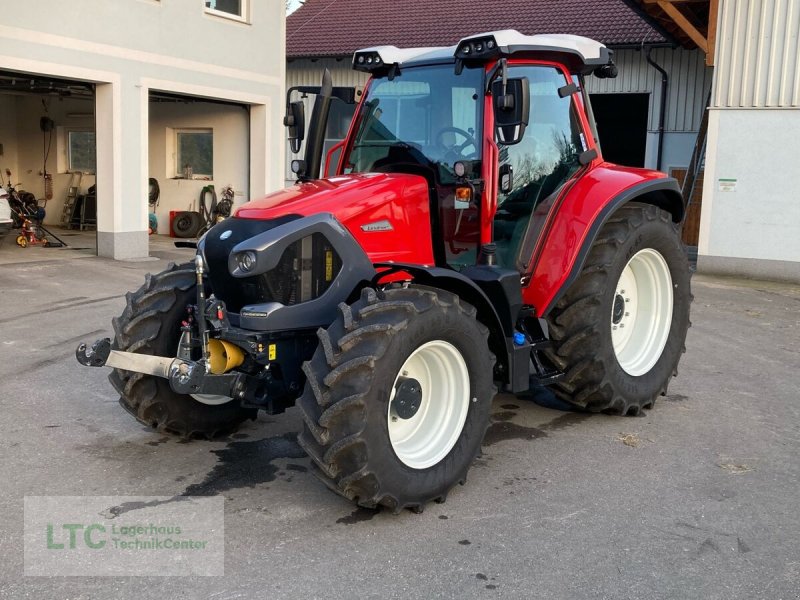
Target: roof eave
{"x": 637, "y": 45}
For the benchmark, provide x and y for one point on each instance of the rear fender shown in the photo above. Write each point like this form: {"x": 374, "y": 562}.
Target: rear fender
{"x": 571, "y": 236}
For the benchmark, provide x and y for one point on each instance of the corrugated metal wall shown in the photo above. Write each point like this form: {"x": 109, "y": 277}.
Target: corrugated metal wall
{"x": 758, "y": 43}
{"x": 689, "y": 82}
{"x": 308, "y": 72}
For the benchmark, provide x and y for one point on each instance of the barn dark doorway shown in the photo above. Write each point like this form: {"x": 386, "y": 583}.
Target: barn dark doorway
{"x": 622, "y": 126}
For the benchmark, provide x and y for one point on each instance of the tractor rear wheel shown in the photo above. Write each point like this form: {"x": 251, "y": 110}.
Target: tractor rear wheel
{"x": 397, "y": 397}
{"x": 620, "y": 330}
{"x": 151, "y": 324}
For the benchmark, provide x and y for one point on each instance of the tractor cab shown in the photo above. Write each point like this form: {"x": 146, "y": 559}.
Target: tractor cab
{"x": 494, "y": 125}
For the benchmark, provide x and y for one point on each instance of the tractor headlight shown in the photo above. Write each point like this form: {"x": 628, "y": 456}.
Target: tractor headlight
{"x": 481, "y": 48}
{"x": 367, "y": 61}
{"x": 299, "y": 167}
{"x": 247, "y": 260}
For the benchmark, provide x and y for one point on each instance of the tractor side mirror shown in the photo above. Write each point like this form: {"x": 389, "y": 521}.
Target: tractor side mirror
{"x": 512, "y": 104}
{"x": 295, "y": 121}
{"x": 506, "y": 178}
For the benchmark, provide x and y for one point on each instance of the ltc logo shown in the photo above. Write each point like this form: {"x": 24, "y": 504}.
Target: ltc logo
{"x": 74, "y": 529}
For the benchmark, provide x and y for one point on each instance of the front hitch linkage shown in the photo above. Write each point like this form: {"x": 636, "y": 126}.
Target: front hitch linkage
{"x": 185, "y": 376}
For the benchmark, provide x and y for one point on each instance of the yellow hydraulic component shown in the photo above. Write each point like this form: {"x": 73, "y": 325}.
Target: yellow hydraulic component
{"x": 223, "y": 356}
{"x": 328, "y": 265}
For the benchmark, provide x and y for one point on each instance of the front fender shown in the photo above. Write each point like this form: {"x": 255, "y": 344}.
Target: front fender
{"x": 496, "y": 294}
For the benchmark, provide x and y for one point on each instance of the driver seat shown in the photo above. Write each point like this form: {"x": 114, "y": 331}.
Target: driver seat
{"x": 404, "y": 160}
{"x": 397, "y": 155}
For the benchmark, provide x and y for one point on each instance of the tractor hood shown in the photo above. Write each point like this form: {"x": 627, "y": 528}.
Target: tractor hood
{"x": 388, "y": 214}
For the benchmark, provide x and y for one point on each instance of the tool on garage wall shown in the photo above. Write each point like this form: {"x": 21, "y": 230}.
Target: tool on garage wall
{"x": 47, "y": 125}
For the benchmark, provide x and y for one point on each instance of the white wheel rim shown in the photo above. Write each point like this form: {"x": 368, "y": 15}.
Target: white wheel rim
{"x": 211, "y": 399}
{"x": 641, "y": 312}
{"x": 428, "y": 436}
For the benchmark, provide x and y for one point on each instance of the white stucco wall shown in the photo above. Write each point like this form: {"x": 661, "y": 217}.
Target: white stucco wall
{"x": 753, "y": 230}
{"x": 128, "y": 47}
{"x": 751, "y": 226}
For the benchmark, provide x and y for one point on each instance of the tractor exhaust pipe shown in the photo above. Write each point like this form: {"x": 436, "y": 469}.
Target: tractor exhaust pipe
{"x": 319, "y": 124}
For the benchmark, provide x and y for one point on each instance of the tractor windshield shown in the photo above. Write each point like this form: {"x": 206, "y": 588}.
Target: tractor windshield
{"x": 425, "y": 117}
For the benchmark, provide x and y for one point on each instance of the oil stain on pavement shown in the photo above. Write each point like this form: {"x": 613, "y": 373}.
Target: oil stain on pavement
{"x": 359, "y": 515}
{"x": 246, "y": 464}
{"x": 240, "y": 464}
{"x": 502, "y": 429}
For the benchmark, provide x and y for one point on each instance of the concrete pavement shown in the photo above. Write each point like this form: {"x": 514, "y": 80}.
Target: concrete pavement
{"x": 698, "y": 498}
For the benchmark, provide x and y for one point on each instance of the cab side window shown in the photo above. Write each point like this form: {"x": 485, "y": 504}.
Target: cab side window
{"x": 542, "y": 162}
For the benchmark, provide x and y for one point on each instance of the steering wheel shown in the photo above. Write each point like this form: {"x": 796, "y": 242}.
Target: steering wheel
{"x": 457, "y": 149}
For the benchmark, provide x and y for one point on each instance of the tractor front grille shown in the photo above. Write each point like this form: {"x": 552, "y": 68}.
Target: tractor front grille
{"x": 304, "y": 272}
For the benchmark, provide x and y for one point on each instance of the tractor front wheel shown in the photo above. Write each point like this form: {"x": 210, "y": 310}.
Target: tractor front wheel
{"x": 397, "y": 397}
{"x": 619, "y": 331}
{"x": 151, "y": 324}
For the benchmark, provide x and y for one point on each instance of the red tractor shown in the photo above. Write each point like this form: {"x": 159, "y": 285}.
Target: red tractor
{"x": 470, "y": 238}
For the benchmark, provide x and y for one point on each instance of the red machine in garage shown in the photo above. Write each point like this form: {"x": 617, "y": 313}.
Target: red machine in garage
{"x": 471, "y": 238}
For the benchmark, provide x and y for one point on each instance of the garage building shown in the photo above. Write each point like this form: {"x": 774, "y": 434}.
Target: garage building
{"x": 188, "y": 92}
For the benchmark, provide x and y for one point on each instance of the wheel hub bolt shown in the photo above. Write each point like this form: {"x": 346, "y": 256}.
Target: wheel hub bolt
{"x": 618, "y": 310}
{"x": 407, "y": 397}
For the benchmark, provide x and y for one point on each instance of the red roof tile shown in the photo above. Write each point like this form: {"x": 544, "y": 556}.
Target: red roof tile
{"x": 339, "y": 27}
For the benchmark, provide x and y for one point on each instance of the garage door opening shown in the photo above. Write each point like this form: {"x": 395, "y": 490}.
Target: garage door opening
{"x": 198, "y": 162}
{"x": 48, "y": 151}
{"x": 622, "y": 126}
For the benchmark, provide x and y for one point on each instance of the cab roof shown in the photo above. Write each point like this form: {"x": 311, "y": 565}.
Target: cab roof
{"x": 579, "y": 54}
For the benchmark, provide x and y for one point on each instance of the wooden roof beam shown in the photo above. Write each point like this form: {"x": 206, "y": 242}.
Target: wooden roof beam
{"x": 681, "y": 21}
{"x": 713, "y": 11}
{"x": 706, "y": 43}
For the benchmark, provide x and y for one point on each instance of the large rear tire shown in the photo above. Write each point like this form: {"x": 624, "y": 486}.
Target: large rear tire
{"x": 620, "y": 330}
{"x": 397, "y": 397}
{"x": 151, "y": 324}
